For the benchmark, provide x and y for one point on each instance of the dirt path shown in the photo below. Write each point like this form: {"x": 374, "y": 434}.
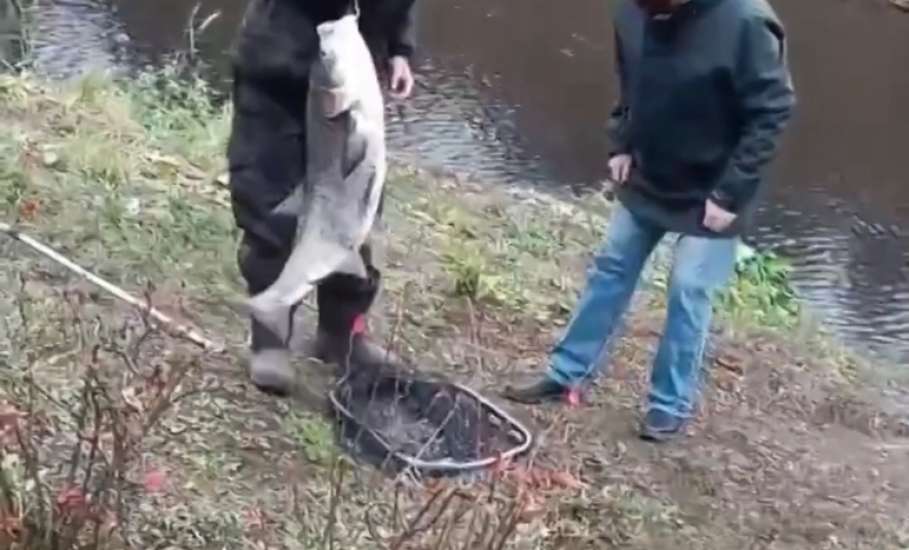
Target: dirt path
{"x": 786, "y": 453}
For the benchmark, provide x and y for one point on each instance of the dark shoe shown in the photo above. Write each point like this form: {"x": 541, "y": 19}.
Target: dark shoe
{"x": 341, "y": 337}
{"x": 539, "y": 392}
{"x": 269, "y": 367}
{"x": 661, "y": 426}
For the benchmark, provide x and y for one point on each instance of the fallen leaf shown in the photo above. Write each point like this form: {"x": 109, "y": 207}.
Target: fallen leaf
{"x": 131, "y": 397}
{"x": 530, "y": 509}
{"x": 566, "y": 480}
{"x": 28, "y": 209}
{"x": 255, "y": 519}
{"x": 72, "y": 502}
{"x": 731, "y": 362}
{"x": 154, "y": 481}
{"x": 50, "y": 159}
{"x": 11, "y": 526}
{"x": 500, "y": 466}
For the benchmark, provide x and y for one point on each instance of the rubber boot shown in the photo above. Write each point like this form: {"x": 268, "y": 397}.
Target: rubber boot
{"x": 270, "y": 366}
{"x": 341, "y": 335}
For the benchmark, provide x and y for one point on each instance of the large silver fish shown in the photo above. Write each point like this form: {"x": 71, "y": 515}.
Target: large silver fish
{"x": 346, "y": 166}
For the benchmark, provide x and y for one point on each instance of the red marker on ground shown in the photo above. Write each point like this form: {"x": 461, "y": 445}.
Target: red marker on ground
{"x": 573, "y": 397}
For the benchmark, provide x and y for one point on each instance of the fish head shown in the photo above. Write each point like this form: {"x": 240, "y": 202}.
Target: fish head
{"x": 334, "y": 75}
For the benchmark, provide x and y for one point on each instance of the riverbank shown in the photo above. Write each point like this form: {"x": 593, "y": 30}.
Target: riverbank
{"x": 176, "y": 449}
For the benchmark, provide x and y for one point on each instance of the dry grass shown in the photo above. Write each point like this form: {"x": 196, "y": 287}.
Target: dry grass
{"x": 126, "y": 181}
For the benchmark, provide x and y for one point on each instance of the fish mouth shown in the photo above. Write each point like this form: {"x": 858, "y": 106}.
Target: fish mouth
{"x": 336, "y": 116}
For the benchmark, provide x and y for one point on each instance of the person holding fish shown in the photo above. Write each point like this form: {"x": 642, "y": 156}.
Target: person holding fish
{"x": 278, "y": 45}
{"x": 704, "y": 95}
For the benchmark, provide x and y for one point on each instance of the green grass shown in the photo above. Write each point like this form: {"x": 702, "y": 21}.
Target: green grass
{"x": 96, "y": 158}
{"x": 762, "y": 293}
{"x": 314, "y": 435}
{"x": 759, "y": 294}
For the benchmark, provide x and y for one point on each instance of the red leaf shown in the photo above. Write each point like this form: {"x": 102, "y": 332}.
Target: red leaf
{"x": 255, "y": 519}
{"x": 28, "y": 209}
{"x": 564, "y": 479}
{"x": 11, "y": 526}
{"x": 72, "y": 500}
{"x": 500, "y": 466}
{"x": 154, "y": 481}
{"x": 9, "y": 422}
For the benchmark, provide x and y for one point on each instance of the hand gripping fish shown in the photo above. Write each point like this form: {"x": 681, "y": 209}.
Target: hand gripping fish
{"x": 346, "y": 166}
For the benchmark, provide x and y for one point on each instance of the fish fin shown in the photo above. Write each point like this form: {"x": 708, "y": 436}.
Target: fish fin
{"x": 368, "y": 172}
{"x": 354, "y": 150}
{"x": 275, "y": 318}
{"x": 293, "y": 203}
{"x": 273, "y": 313}
{"x": 310, "y": 261}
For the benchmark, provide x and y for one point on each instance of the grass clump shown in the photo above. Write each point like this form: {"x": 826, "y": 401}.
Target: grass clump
{"x": 759, "y": 293}
{"x": 314, "y": 435}
{"x": 182, "y": 116}
{"x": 86, "y": 161}
{"x": 762, "y": 292}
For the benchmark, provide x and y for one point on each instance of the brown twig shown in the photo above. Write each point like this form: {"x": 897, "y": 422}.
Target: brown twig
{"x": 445, "y": 534}
{"x": 404, "y": 537}
{"x": 178, "y": 328}
{"x": 74, "y": 458}
{"x": 443, "y": 507}
{"x": 371, "y": 527}
{"x": 473, "y": 520}
{"x": 334, "y": 503}
{"x": 510, "y": 526}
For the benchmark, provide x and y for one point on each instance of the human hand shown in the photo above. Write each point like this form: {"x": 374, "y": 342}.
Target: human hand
{"x": 620, "y": 168}
{"x": 401, "y": 79}
{"x": 716, "y": 218}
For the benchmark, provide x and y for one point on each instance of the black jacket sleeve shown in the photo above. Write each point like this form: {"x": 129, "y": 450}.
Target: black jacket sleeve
{"x": 401, "y": 30}
{"x": 766, "y": 100}
{"x": 619, "y": 115}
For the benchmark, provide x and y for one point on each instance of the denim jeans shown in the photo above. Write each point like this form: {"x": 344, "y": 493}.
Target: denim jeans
{"x": 700, "y": 267}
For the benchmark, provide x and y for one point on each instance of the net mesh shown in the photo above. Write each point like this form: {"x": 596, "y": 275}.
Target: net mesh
{"x": 386, "y": 414}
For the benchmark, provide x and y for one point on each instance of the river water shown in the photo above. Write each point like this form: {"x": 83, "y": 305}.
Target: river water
{"x": 517, "y": 91}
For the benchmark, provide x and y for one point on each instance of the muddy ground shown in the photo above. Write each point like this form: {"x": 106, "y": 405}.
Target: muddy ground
{"x": 796, "y": 445}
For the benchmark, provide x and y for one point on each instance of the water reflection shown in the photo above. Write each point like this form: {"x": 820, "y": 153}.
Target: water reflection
{"x": 72, "y": 36}
{"x": 12, "y": 38}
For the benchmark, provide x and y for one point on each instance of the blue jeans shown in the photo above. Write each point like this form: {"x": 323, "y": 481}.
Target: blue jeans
{"x": 700, "y": 267}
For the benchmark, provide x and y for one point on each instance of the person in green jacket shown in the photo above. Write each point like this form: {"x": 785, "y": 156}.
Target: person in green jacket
{"x": 705, "y": 94}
